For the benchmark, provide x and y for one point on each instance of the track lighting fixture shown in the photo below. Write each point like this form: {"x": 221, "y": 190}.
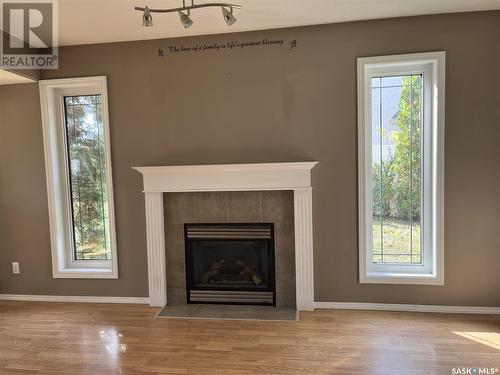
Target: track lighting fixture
{"x": 184, "y": 12}
{"x": 228, "y": 16}
{"x": 185, "y": 20}
{"x": 147, "y": 18}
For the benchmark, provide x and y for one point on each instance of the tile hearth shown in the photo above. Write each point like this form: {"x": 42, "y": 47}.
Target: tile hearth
{"x": 229, "y": 312}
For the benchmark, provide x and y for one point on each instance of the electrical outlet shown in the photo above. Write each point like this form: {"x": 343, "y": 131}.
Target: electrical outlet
{"x": 15, "y": 267}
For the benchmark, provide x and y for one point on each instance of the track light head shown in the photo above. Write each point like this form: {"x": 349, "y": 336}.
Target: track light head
{"x": 228, "y": 16}
{"x": 185, "y": 20}
{"x": 147, "y": 18}
{"x": 184, "y": 12}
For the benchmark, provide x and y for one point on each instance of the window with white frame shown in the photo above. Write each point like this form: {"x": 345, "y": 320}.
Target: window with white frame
{"x": 79, "y": 181}
{"x": 401, "y": 154}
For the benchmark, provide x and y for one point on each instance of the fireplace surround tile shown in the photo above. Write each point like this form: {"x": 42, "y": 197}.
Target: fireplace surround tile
{"x": 175, "y": 235}
{"x": 211, "y": 207}
{"x": 245, "y": 206}
{"x": 180, "y": 208}
{"x": 285, "y": 274}
{"x": 177, "y": 269}
{"x": 176, "y": 296}
{"x": 277, "y": 206}
{"x": 285, "y": 299}
{"x": 285, "y": 244}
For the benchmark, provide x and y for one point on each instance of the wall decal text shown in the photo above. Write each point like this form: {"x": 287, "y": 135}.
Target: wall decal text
{"x": 198, "y": 48}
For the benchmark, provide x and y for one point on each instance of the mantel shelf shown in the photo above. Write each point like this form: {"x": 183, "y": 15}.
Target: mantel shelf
{"x": 226, "y": 177}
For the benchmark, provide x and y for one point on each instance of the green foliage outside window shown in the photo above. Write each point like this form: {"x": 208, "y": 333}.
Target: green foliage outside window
{"x": 396, "y": 181}
{"x": 85, "y": 137}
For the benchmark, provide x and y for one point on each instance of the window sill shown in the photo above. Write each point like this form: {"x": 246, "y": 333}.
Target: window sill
{"x": 85, "y": 273}
{"x": 401, "y": 278}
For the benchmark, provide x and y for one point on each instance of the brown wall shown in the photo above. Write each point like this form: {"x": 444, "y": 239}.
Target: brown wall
{"x": 24, "y": 222}
{"x": 28, "y": 73}
{"x": 33, "y": 74}
{"x": 279, "y": 105}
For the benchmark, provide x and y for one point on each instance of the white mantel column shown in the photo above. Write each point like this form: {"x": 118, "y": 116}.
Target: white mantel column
{"x": 155, "y": 235}
{"x": 304, "y": 270}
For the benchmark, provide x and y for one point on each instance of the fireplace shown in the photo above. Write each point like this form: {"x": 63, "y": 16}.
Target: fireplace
{"x": 230, "y": 263}
{"x": 265, "y": 177}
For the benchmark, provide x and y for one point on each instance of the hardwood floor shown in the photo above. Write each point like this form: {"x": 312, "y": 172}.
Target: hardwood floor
{"x": 57, "y": 338}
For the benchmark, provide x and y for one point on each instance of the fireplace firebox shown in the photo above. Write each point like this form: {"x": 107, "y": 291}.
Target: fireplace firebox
{"x": 230, "y": 263}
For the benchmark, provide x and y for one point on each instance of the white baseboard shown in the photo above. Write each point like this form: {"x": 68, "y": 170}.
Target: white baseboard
{"x": 407, "y": 307}
{"x": 317, "y": 305}
{"x": 85, "y": 299}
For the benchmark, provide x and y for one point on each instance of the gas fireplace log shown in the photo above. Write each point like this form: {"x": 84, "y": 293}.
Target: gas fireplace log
{"x": 256, "y": 278}
{"x": 214, "y": 270}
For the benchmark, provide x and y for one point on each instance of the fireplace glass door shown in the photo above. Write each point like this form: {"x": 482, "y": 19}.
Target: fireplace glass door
{"x": 230, "y": 263}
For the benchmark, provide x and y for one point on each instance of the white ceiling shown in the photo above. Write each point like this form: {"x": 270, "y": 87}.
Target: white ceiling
{"x": 9, "y": 78}
{"x": 100, "y": 21}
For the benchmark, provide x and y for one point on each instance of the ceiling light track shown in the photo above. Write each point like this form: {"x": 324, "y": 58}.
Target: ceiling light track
{"x": 189, "y": 7}
{"x": 185, "y": 11}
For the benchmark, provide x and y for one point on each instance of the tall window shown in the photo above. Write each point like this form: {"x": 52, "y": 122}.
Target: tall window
{"x": 401, "y": 127}
{"x": 87, "y": 176}
{"x": 396, "y": 131}
{"x": 78, "y": 160}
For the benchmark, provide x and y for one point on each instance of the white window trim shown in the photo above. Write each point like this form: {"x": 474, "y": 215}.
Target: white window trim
{"x": 432, "y": 65}
{"x": 56, "y": 166}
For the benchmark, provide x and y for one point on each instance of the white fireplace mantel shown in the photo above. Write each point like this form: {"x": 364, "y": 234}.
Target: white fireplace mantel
{"x": 294, "y": 176}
